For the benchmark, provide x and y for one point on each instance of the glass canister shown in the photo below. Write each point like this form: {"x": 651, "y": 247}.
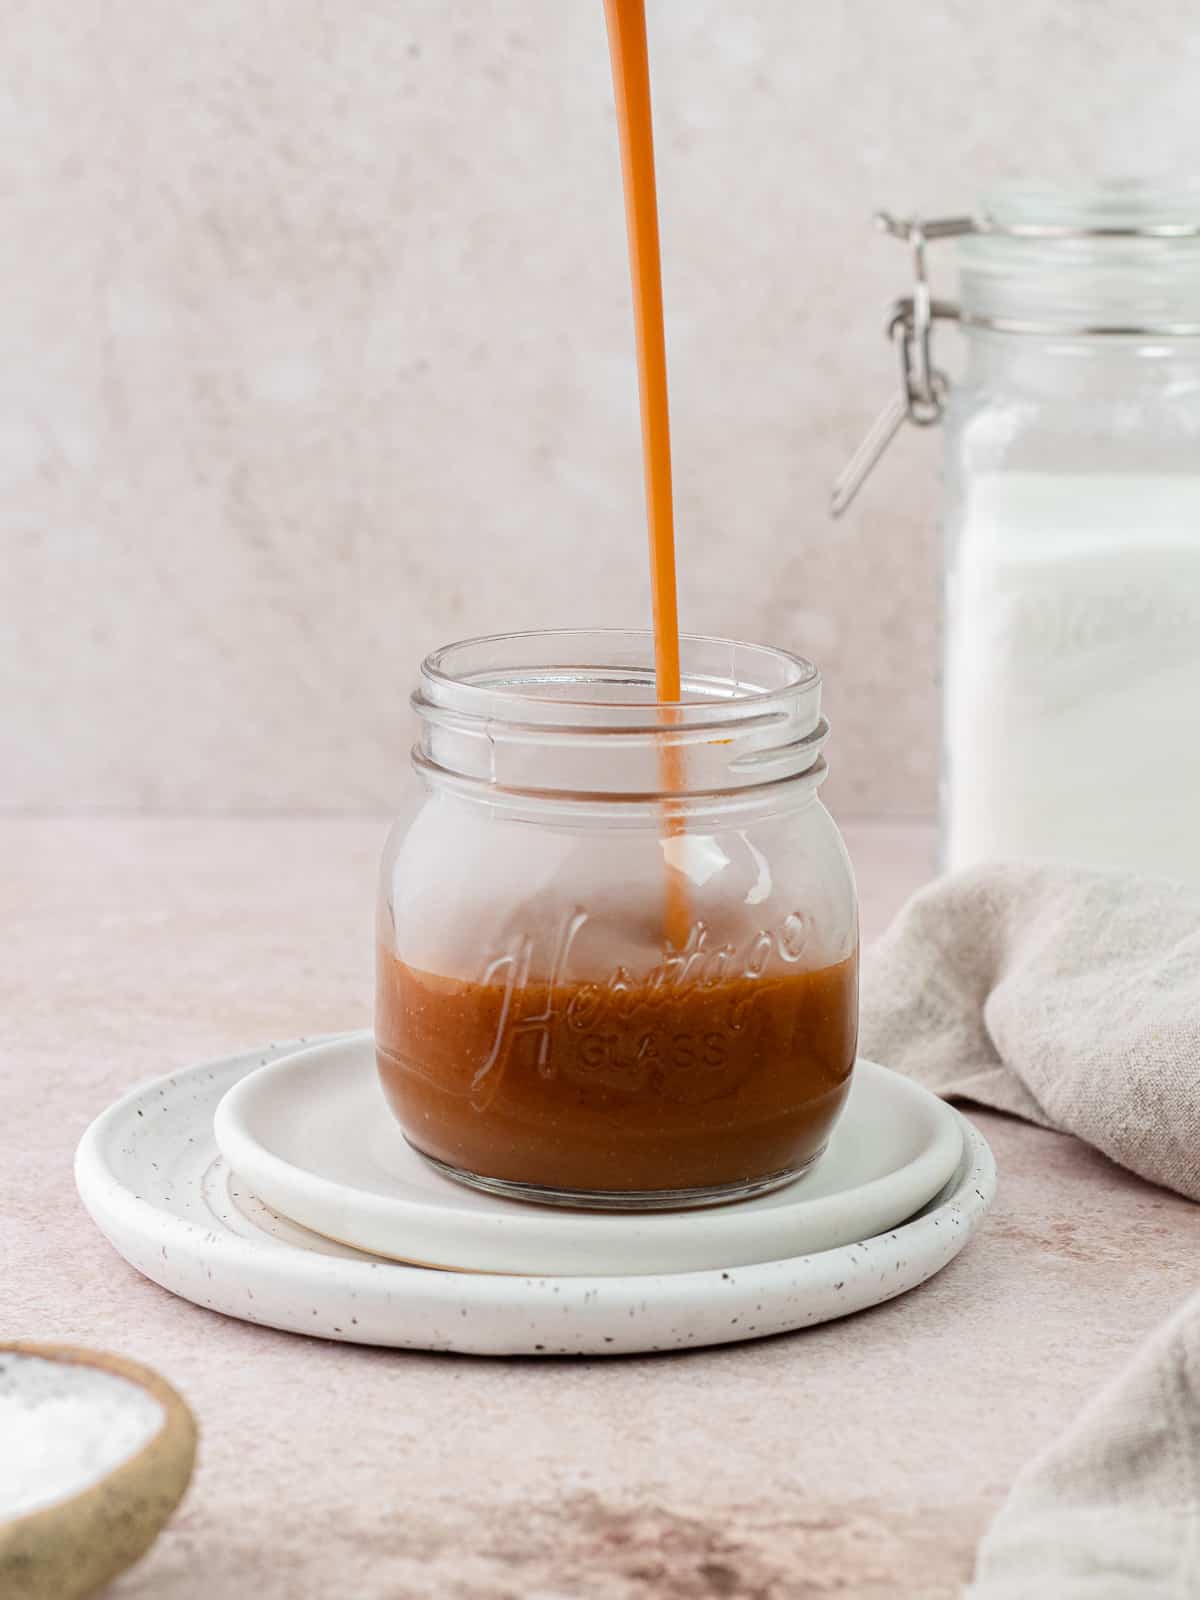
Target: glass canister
{"x": 1072, "y": 524}
{"x": 547, "y": 1026}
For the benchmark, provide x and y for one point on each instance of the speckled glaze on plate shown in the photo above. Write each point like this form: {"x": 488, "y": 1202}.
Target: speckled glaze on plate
{"x": 150, "y": 1174}
{"x": 313, "y": 1137}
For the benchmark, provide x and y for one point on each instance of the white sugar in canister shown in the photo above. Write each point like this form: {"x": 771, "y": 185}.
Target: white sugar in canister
{"x": 1072, "y": 671}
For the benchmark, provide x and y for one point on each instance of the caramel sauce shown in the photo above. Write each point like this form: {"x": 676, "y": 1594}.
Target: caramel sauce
{"x": 635, "y": 128}
{"x": 644, "y": 1085}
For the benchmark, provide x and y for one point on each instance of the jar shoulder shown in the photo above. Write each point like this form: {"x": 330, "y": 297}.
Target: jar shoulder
{"x": 1042, "y": 414}
{"x": 463, "y": 883}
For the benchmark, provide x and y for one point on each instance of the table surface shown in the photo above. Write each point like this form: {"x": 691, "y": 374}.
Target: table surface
{"x": 860, "y": 1458}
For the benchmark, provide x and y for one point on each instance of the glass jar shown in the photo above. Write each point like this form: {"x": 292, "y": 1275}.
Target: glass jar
{"x": 1072, "y": 637}
{"x": 1071, "y": 676}
{"x": 547, "y": 1025}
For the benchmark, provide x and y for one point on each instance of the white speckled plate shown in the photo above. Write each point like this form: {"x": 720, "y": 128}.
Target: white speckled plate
{"x": 151, "y": 1176}
{"x": 312, "y": 1135}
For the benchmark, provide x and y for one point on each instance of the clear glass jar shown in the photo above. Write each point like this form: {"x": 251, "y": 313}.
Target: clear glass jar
{"x": 543, "y": 1028}
{"x": 1072, "y": 637}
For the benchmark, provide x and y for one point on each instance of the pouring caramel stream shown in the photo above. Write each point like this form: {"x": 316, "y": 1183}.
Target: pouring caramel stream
{"x": 631, "y": 88}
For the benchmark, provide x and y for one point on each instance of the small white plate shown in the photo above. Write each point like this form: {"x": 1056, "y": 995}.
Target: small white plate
{"x": 312, "y": 1135}
{"x": 150, "y": 1174}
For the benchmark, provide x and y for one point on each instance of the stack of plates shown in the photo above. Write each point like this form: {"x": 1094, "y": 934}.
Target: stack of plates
{"x": 275, "y": 1187}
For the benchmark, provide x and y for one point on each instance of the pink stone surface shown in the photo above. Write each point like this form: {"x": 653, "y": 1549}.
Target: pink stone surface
{"x": 861, "y": 1458}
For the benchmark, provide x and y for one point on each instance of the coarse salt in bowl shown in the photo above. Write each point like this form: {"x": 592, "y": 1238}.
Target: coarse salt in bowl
{"x": 63, "y": 1427}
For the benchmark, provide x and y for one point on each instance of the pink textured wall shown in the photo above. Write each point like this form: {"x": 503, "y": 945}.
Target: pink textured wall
{"x": 316, "y": 352}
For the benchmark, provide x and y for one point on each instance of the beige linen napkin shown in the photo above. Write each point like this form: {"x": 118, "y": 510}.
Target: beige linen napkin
{"x": 1112, "y": 1510}
{"x": 1068, "y": 997}
{"x": 1072, "y": 998}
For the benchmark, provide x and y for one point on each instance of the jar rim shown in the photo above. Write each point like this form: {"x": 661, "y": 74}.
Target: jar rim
{"x": 530, "y": 673}
{"x": 1114, "y": 257}
{"x": 1109, "y": 211}
{"x": 575, "y": 712}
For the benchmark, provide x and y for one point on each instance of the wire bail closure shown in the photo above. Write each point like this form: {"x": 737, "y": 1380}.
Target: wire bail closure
{"x": 910, "y": 320}
{"x": 923, "y": 385}
{"x": 910, "y": 323}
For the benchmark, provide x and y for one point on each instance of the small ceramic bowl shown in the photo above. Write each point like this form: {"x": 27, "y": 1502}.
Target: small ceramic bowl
{"x": 66, "y": 1548}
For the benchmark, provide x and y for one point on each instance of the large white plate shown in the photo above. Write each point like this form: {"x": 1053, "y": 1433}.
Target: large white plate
{"x": 151, "y": 1176}
{"x": 312, "y": 1135}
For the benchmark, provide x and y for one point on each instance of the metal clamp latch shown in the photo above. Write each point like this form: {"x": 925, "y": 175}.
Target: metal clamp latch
{"x": 923, "y": 386}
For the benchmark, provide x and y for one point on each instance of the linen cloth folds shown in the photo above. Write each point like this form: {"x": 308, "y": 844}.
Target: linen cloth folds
{"x": 1072, "y": 998}
{"x": 1065, "y": 996}
{"x": 1112, "y": 1510}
